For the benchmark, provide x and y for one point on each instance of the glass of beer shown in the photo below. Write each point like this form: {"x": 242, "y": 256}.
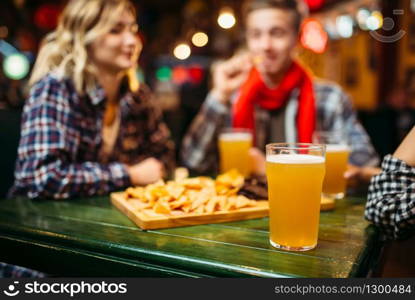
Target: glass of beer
{"x": 295, "y": 175}
{"x": 337, "y": 156}
{"x": 234, "y": 145}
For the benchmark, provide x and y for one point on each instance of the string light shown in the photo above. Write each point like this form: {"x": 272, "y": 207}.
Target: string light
{"x": 200, "y": 39}
{"x": 180, "y": 75}
{"x": 182, "y": 51}
{"x": 226, "y": 18}
{"x": 375, "y": 21}
{"x": 344, "y": 26}
{"x": 164, "y": 74}
{"x": 362, "y": 15}
{"x": 313, "y": 36}
{"x": 315, "y": 4}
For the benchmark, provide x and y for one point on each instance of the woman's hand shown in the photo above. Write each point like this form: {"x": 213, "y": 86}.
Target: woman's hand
{"x": 148, "y": 171}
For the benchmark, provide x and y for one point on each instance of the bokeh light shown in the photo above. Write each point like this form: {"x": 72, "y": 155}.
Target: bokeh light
{"x": 200, "y": 39}
{"x": 16, "y": 66}
{"x": 226, "y": 18}
{"x": 362, "y": 15}
{"x": 164, "y": 74}
{"x": 344, "y": 26}
{"x": 313, "y": 36}
{"x": 182, "y": 51}
{"x": 375, "y": 21}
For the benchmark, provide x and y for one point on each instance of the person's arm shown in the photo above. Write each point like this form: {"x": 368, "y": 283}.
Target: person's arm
{"x": 362, "y": 150}
{"x": 363, "y": 158}
{"x": 199, "y": 148}
{"x": 391, "y": 198}
{"x": 46, "y": 166}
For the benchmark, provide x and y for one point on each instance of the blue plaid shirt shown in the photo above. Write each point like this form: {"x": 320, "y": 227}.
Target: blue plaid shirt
{"x": 334, "y": 112}
{"x": 61, "y": 138}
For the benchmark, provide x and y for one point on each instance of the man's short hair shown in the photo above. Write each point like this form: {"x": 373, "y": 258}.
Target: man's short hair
{"x": 288, "y": 5}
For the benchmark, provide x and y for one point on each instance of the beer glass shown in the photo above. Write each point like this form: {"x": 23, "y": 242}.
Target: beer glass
{"x": 337, "y": 156}
{"x": 234, "y": 145}
{"x": 295, "y": 175}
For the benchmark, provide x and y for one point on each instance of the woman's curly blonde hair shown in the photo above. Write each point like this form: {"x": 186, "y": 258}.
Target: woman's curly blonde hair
{"x": 65, "y": 50}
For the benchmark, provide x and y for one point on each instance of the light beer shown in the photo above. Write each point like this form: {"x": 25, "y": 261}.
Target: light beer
{"x": 334, "y": 184}
{"x": 294, "y": 190}
{"x": 233, "y": 151}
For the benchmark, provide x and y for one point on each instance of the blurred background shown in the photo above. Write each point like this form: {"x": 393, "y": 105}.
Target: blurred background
{"x": 366, "y": 46}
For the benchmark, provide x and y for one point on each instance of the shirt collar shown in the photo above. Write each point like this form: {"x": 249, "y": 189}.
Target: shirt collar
{"x": 97, "y": 94}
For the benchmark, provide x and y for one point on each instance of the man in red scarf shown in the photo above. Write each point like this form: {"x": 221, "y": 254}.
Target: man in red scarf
{"x": 266, "y": 90}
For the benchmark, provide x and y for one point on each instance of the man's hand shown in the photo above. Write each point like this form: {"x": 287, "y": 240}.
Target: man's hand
{"x": 229, "y": 75}
{"x": 148, "y": 171}
{"x": 357, "y": 175}
{"x": 258, "y": 161}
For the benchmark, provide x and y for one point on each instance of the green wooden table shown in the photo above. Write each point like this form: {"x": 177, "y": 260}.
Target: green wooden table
{"x": 89, "y": 237}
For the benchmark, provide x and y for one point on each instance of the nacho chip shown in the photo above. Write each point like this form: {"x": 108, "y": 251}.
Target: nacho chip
{"x": 179, "y": 203}
{"x": 211, "y": 204}
{"x": 181, "y": 173}
{"x": 175, "y": 190}
{"x": 231, "y": 203}
{"x": 162, "y": 207}
{"x": 241, "y": 201}
{"x": 135, "y": 192}
{"x": 190, "y": 195}
{"x": 200, "y": 200}
{"x": 231, "y": 178}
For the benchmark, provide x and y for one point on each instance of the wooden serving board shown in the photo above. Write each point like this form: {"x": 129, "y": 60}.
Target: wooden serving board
{"x": 146, "y": 219}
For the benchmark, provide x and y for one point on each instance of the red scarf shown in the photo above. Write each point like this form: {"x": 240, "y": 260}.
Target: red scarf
{"x": 254, "y": 91}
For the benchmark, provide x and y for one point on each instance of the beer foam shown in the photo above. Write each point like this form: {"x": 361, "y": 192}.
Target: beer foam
{"x": 235, "y": 136}
{"x": 294, "y": 159}
{"x": 337, "y": 148}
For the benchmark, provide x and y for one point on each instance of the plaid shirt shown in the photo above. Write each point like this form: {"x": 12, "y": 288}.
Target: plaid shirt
{"x": 61, "y": 138}
{"x": 13, "y": 271}
{"x": 391, "y": 198}
{"x": 334, "y": 112}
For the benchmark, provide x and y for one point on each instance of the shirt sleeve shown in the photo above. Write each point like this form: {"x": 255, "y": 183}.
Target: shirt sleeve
{"x": 47, "y": 166}
{"x": 199, "y": 149}
{"x": 362, "y": 150}
{"x": 391, "y": 199}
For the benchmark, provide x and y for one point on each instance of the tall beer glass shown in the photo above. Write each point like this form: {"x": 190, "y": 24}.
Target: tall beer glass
{"x": 234, "y": 145}
{"x": 337, "y": 156}
{"x": 295, "y": 175}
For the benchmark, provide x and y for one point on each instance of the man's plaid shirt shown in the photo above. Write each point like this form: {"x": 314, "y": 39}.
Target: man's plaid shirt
{"x": 61, "y": 138}
{"x": 391, "y": 199}
{"x": 334, "y": 112}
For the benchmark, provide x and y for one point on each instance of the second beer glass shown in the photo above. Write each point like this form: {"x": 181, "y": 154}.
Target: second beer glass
{"x": 234, "y": 145}
{"x": 337, "y": 156}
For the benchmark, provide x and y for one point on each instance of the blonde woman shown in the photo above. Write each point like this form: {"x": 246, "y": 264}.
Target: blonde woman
{"x": 87, "y": 127}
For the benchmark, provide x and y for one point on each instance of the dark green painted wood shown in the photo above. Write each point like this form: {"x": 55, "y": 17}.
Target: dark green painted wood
{"x": 54, "y": 259}
{"x": 89, "y": 237}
